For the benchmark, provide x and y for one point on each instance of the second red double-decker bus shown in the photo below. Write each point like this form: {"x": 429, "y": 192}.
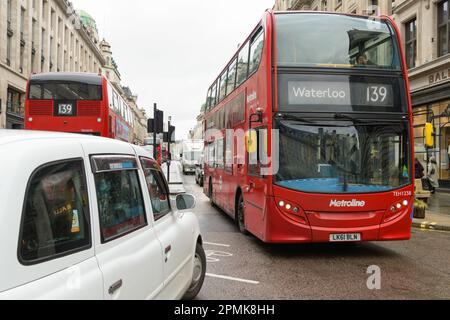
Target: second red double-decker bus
{"x": 309, "y": 131}
{"x": 77, "y": 103}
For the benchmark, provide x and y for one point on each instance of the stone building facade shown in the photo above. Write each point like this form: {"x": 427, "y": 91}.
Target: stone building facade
{"x": 366, "y": 7}
{"x": 425, "y": 27}
{"x": 40, "y": 36}
{"x": 51, "y": 36}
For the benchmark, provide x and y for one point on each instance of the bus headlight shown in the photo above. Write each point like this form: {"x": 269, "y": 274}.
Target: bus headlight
{"x": 99, "y": 120}
{"x": 30, "y": 119}
{"x": 292, "y": 211}
{"x": 395, "y": 210}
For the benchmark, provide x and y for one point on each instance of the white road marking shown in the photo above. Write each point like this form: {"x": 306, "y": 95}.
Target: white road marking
{"x": 231, "y": 278}
{"x": 211, "y": 255}
{"x": 217, "y": 244}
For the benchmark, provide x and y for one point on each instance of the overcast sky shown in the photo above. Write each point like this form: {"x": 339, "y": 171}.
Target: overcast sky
{"x": 169, "y": 52}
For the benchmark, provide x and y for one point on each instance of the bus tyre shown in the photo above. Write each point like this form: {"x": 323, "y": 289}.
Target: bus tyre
{"x": 210, "y": 193}
{"x": 240, "y": 215}
{"x": 198, "y": 273}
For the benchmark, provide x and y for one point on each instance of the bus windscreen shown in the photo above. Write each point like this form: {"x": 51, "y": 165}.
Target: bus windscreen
{"x": 309, "y": 40}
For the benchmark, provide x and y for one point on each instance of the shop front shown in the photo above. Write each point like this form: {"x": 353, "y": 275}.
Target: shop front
{"x": 430, "y": 94}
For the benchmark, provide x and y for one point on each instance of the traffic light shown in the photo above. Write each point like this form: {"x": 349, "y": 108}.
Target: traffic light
{"x": 171, "y": 134}
{"x": 150, "y": 126}
{"x": 429, "y": 135}
{"x": 156, "y": 125}
{"x": 159, "y": 126}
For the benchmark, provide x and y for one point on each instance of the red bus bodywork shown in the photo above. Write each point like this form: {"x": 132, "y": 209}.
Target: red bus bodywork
{"x": 96, "y": 117}
{"x": 315, "y": 221}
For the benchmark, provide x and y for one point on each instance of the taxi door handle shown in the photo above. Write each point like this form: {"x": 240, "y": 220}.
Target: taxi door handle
{"x": 116, "y": 286}
{"x": 166, "y": 252}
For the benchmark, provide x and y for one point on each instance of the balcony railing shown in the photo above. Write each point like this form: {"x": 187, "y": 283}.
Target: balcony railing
{"x": 15, "y": 109}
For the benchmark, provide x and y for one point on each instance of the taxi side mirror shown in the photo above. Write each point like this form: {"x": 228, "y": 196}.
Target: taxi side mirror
{"x": 429, "y": 135}
{"x": 185, "y": 201}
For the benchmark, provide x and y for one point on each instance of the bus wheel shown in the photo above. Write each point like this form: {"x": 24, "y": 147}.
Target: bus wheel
{"x": 240, "y": 215}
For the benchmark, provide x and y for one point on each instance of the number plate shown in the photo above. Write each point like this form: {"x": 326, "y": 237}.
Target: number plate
{"x": 65, "y": 109}
{"x": 345, "y": 237}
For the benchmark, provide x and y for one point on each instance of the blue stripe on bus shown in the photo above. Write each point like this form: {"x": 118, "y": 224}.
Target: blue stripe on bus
{"x": 330, "y": 186}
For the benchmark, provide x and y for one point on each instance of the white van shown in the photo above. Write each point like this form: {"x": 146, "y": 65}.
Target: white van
{"x": 90, "y": 218}
{"x": 192, "y": 151}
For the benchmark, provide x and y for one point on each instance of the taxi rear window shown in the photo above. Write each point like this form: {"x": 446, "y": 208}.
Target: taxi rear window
{"x": 55, "y": 221}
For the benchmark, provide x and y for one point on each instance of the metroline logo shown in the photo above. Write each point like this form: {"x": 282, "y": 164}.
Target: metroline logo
{"x": 344, "y": 204}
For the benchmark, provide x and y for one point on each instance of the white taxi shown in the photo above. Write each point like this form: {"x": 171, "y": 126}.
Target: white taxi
{"x": 91, "y": 218}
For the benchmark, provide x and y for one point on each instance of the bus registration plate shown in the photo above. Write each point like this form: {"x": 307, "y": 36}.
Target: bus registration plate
{"x": 345, "y": 237}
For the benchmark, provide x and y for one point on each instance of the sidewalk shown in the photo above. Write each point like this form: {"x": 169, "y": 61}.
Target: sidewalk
{"x": 433, "y": 221}
{"x": 176, "y": 177}
{"x": 437, "y": 216}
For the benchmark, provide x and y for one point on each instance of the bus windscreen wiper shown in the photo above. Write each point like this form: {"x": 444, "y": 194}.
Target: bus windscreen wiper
{"x": 338, "y": 116}
{"x": 295, "y": 118}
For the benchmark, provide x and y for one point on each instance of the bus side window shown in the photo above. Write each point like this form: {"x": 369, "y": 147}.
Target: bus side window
{"x": 242, "y": 69}
{"x": 110, "y": 97}
{"x": 256, "y": 49}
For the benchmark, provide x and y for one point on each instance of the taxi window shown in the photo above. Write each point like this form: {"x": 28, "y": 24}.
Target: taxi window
{"x": 56, "y": 217}
{"x": 159, "y": 196}
{"x": 119, "y": 196}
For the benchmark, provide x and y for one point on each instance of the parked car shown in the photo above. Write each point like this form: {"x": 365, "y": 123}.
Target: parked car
{"x": 91, "y": 218}
{"x": 199, "y": 172}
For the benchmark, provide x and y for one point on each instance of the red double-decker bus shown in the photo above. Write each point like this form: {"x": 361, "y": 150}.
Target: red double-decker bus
{"x": 309, "y": 131}
{"x": 78, "y": 103}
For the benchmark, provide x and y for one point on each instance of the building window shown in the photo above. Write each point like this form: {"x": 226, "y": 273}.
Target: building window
{"x": 8, "y": 50}
{"x": 9, "y": 13}
{"x": 44, "y": 11}
{"x": 443, "y": 28}
{"x": 10, "y": 33}
{"x": 411, "y": 43}
{"x": 14, "y": 103}
{"x": 373, "y": 8}
{"x": 324, "y": 5}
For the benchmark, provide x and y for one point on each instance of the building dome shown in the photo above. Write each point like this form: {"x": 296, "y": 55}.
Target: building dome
{"x": 87, "y": 19}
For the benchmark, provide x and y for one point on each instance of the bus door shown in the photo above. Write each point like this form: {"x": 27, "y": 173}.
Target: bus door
{"x": 228, "y": 179}
{"x": 219, "y": 183}
{"x": 255, "y": 193}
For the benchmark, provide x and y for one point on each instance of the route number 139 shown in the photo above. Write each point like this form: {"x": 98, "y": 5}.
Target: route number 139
{"x": 376, "y": 94}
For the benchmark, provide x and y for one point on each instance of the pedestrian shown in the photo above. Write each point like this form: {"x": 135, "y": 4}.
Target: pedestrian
{"x": 419, "y": 170}
{"x": 433, "y": 174}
